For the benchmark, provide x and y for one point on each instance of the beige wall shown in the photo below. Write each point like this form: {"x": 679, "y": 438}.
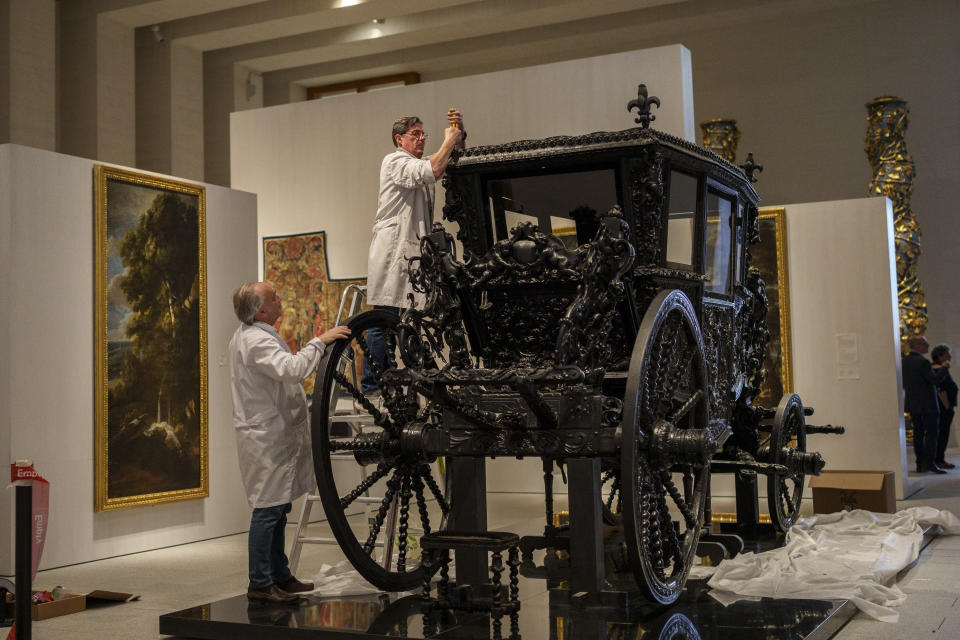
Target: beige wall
{"x": 27, "y": 73}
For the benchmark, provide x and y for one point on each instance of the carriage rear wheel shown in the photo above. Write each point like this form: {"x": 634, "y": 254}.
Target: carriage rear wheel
{"x": 664, "y": 409}
{"x": 358, "y": 462}
{"x": 787, "y": 436}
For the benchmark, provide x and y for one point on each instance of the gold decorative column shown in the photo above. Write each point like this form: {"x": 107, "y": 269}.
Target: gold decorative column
{"x": 893, "y": 174}
{"x": 721, "y": 136}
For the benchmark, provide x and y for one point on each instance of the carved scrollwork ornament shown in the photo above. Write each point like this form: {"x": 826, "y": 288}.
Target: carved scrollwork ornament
{"x": 893, "y": 175}
{"x": 586, "y": 326}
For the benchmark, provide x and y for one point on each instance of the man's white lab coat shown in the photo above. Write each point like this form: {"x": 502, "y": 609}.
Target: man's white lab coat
{"x": 404, "y": 214}
{"x": 270, "y": 414}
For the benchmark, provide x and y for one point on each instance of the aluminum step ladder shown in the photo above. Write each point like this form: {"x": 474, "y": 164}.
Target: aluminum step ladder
{"x": 355, "y": 422}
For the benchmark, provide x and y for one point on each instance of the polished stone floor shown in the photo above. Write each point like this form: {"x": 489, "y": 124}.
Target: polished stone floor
{"x": 544, "y": 614}
{"x": 211, "y": 571}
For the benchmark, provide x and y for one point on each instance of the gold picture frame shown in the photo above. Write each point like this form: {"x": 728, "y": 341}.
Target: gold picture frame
{"x": 150, "y": 300}
{"x": 770, "y": 257}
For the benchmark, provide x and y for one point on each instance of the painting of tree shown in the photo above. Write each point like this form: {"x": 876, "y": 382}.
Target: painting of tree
{"x": 151, "y": 330}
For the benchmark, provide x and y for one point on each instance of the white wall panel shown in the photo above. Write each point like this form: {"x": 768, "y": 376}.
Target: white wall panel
{"x": 843, "y": 282}
{"x": 47, "y": 350}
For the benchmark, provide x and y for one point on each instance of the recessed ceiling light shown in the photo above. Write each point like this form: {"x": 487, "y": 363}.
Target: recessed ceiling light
{"x": 379, "y": 20}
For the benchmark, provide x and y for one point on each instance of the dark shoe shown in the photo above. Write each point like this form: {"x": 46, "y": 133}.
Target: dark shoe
{"x": 943, "y": 464}
{"x": 272, "y": 594}
{"x": 295, "y": 586}
{"x": 935, "y": 469}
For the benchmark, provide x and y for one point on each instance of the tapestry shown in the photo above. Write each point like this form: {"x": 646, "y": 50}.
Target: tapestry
{"x": 297, "y": 266}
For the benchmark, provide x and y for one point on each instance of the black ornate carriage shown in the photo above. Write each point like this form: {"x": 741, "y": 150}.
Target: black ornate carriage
{"x": 602, "y": 316}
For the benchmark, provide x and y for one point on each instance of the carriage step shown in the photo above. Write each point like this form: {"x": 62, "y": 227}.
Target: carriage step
{"x": 436, "y": 548}
{"x": 719, "y": 546}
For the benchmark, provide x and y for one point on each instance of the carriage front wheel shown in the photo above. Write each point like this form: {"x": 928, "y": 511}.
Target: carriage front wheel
{"x": 375, "y": 496}
{"x": 664, "y": 425}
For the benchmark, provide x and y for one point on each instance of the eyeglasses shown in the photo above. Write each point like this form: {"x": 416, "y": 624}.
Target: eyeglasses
{"x": 417, "y": 135}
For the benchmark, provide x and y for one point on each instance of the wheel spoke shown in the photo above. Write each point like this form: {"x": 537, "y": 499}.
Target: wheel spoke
{"x": 393, "y": 485}
{"x": 431, "y": 483}
{"x": 786, "y": 497}
{"x": 381, "y": 470}
{"x": 403, "y": 523}
{"x": 682, "y": 506}
{"x": 379, "y": 417}
{"x": 421, "y": 503}
{"x": 691, "y": 402}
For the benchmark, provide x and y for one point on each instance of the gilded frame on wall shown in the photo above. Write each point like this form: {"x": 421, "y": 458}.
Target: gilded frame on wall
{"x": 770, "y": 257}
{"x": 150, "y": 300}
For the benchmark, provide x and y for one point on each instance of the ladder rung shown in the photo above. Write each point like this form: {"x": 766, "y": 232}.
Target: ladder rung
{"x": 354, "y": 418}
{"x": 372, "y": 500}
{"x": 378, "y": 543}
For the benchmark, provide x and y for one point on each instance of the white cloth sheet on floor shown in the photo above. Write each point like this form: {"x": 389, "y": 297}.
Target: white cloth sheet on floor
{"x": 852, "y": 555}
{"x": 341, "y": 579}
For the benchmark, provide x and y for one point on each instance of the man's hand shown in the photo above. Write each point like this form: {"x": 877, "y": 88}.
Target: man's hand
{"x": 334, "y": 334}
{"x": 452, "y": 135}
{"x": 455, "y": 120}
{"x": 454, "y": 117}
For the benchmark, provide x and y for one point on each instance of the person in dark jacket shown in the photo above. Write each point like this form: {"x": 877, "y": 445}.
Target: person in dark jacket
{"x": 947, "y": 395}
{"x": 920, "y": 384}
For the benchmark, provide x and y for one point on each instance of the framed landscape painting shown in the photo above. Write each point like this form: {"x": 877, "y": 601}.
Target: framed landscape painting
{"x": 770, "y": 257}
{"x": 150, "y": 340}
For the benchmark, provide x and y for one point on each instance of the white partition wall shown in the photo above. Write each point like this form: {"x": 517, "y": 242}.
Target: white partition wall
{"x": 47, "y": 360}
{"x": 315, "y": 165}
{"x": 846, "y": 335}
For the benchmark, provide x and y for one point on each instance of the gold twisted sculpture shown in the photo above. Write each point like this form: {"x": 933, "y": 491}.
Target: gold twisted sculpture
{"x": 721, "y": 136}
{"x": 893, "y": 174}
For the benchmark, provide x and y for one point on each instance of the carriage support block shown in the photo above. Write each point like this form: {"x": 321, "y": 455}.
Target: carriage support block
{"x": 586, "y": 531}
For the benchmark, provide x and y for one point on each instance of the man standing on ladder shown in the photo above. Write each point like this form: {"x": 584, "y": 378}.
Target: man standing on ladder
{"x": 272, "y": 425}
{"x": 404, "y": 215}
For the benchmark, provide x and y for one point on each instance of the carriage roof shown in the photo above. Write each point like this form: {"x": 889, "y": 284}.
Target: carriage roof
{"x": 596, "y": 146}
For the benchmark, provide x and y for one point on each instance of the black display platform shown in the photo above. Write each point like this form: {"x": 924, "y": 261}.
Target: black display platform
{"x": 547, "y": 611}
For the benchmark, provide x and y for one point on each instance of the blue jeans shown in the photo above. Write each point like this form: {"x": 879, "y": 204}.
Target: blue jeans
{"x": 267, "y": 560}
{"x": 378, "y": 351}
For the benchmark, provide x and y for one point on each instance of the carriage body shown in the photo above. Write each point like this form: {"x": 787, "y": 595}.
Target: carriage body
{"x": 691, "y": 216}
{"x": 600, "y": 305}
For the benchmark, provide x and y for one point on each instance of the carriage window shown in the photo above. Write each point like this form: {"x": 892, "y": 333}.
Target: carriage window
{"x": 681, "y": 218}
{"x": 562, "y": 204}
{"x": 719, "y": 234}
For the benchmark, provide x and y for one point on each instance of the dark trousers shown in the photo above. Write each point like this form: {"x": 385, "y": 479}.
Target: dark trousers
{"x": 946, "y": 417}
{"x": 267, "y": 559}
{"x": 925, "y": 434}
{"x": 378, "y": 352}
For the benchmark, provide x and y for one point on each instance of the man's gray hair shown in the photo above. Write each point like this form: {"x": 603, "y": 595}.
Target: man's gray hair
{"x": 402, "y": 125}
{"x": 246, "y": 302}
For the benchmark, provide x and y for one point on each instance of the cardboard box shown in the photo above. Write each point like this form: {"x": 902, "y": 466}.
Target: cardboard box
{"x": 56, "y": 608}
{"x": 847, "y": 490}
